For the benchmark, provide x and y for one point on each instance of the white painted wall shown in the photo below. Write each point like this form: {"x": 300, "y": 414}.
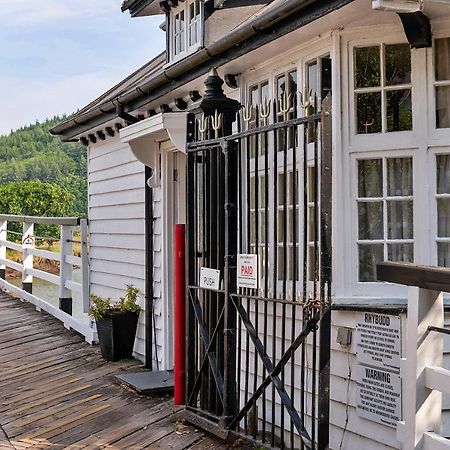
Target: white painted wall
{"x": 117, "y": 224}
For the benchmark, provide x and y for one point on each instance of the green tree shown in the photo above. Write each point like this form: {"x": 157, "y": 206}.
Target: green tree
{"x": 34, "y": 198}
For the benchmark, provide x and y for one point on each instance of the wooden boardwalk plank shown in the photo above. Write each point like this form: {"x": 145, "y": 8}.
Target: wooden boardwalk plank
{"x": 56, "y": 392}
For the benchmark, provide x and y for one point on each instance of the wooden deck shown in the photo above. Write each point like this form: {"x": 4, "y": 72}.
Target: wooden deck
{"x": 56, "y": 392}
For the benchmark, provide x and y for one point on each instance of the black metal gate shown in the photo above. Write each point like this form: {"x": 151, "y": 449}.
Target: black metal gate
{"x": 258, "y": 357}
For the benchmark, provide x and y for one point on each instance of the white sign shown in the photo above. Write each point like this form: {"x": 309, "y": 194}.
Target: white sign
{"x": 378, "y": 395}
{"x": 378, "y": 340}
{"x": 28, "y": 241}
{"x": 247, "y": 271}
{"x": 210, "y": 279}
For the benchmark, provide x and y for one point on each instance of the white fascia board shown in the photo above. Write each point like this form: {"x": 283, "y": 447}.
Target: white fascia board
{"x": 156, "y": 127}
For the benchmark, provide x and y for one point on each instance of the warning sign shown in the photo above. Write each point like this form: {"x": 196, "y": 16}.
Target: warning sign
{"x": 378, "y": 340}
{"x": 378, "y": 396}
{"x": 247, "y": 271}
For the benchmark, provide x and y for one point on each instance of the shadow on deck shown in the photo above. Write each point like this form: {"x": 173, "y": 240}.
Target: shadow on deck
{"x": 56, "y": 392}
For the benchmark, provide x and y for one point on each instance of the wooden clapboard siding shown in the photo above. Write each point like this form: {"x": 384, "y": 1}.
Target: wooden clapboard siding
{"x": 117, "y": 223}
{"x": 57, "y": 392}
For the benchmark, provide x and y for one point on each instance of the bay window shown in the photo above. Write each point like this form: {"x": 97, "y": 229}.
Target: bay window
{"x": 383, "y": 89}
{"x": 385, "y": 213}
{"x": 185, "y": 28}
{"x": 443, "y": 209}
{"x": 442, "y": 82}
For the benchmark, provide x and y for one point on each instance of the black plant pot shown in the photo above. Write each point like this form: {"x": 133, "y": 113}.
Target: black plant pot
{"x": 116, "y": 333}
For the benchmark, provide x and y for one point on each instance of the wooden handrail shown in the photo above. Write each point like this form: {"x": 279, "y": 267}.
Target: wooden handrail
{"x": 410, "y": 274}
{"x": 68, "y": 221}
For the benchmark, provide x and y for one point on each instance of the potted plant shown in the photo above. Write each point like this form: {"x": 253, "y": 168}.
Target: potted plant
{"x": 116, "y": 323}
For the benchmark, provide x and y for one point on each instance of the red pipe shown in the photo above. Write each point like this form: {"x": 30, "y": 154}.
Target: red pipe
{"x": 179, "y": 316}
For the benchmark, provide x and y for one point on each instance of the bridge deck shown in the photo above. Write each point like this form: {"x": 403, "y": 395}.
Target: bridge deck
{"x": 57, "y": 392}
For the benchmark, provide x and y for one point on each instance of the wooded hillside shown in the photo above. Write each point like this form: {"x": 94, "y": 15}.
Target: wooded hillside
{"x": 32, "y": 153}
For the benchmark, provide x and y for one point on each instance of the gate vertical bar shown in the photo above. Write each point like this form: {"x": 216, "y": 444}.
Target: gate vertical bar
{"x": 191, "y": 256}
{"x": 231, "y": 235}
{"x": 326, "y": 274}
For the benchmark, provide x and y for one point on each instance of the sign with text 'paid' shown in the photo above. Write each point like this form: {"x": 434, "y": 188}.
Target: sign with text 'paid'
{"x": 209, "y": 278}
{"x": 247, "y": 271}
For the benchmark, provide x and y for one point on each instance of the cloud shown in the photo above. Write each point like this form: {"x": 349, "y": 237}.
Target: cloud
{"x": 32, "y": 12}
{"x": 38, "y": 99}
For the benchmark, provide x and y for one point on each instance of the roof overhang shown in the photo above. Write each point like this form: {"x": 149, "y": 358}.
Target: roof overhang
{"x": 139, "y": 8}
{"x": 144, "y": 137}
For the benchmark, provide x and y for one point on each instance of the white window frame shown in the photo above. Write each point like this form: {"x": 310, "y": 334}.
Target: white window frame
{"x": 438, "y": 136}
{"x": 384, "y": 140}
{"x": 188, "y": 48}
{"x": 379, "y": 289}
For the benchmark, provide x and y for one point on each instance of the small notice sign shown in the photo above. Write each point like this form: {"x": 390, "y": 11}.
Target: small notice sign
{"x": 28, "y": 241}
{"x": 247, "y": 271}
{"x": 210, "y": 278}
{"x": 378, "y": 396}
{"x": 378, "y": 340}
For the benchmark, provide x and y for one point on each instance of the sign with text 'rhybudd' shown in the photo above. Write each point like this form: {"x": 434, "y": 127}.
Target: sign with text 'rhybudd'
{"x": 209, "y": 279}
{"x": 247, "y": 271}
{"x": 378, "y": 397}
{"x": 378, "y": 340}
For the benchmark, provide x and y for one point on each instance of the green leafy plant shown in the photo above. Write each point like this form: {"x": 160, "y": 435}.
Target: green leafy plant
{"x": 128, "y": 303}
{"x": 100, "y": 306}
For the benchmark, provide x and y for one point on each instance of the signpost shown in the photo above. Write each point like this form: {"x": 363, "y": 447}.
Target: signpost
{"x": 378, "y": 353}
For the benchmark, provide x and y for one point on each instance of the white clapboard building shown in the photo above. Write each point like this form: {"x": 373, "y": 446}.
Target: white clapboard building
{"x": 348, "y": 164}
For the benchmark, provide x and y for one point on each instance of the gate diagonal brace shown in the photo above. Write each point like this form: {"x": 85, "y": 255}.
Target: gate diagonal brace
{"x": 274, "y": 372}
{"x": 198, "y": 379}
{"x": 205, "y": 336}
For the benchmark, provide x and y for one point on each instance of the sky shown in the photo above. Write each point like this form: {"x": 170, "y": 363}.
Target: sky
{"x": 58, "y": 55}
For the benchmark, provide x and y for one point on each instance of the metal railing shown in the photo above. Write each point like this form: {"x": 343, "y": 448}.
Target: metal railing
{"x": 72, "y": 230}
{"x": 424, "y": 378}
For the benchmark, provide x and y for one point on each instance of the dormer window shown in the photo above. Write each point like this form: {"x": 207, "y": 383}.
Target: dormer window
{"x": 186, "y": 28}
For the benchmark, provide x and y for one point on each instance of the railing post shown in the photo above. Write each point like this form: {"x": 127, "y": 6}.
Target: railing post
{"x": 27, "y": 243}
{"x": 85, "y": 266}
{"x": 65, "y": 270}
{"x": 422, "y": 407}
{"x": 3, "y": 237}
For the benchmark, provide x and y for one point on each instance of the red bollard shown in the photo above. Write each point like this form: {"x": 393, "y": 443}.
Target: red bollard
{"x": 179, "y": 316}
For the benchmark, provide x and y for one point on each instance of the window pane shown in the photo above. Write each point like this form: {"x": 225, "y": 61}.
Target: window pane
{"x": 368, "y": 113}
{"x": 281, "y": 194}
{"x": 262, "y": 191}
{"x": 252, "y": 193}
{"x": 280, "y": 226}
{"x": 326, "y": 76}
{"x": 311, "y": 224}
{"x": 443, "y": 254}
{"x": 399, "y": 110}
{"x": 399, "y": 177}
{"x": 265, "y": 94}
{"x": 443, "y": 107}
{"x": 443, "y": 207}
{"x": 400, "y": 219}
{"x": 369, "y": 257}
{"x": 401, "y": 252}
{"x": 367, "y": 71}
{"x": 312, "y": 78}
{"x": 370, "y": 178}
{"x": 442, "y": 59}
{"x": 311, "y": 263}
{"x": 252, "y": 227}
{"x": 398, "y": 64}
{"x": 370, "y": 220}
{"x": 443, "y": 174}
